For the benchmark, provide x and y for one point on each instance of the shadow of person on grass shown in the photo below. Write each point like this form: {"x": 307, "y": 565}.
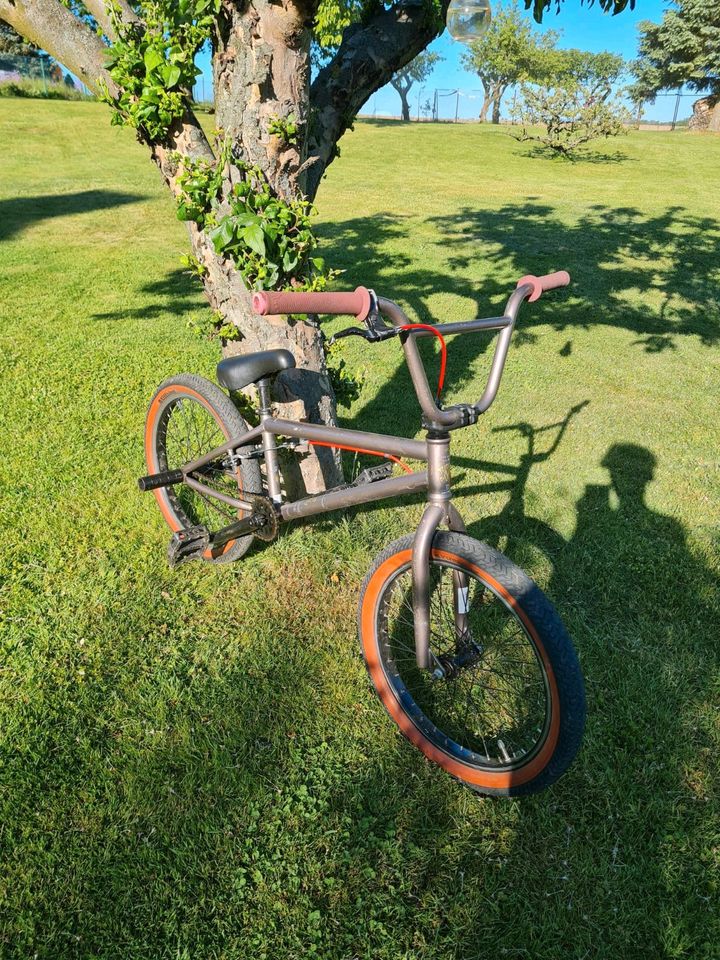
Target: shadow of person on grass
{"x": 626, "y": 866}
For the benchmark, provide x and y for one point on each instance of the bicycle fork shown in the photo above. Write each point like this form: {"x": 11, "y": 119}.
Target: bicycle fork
{"x": 440, "y": 510}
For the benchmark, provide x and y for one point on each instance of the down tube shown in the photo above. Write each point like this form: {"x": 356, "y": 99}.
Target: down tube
{"x": 353, "y": 496}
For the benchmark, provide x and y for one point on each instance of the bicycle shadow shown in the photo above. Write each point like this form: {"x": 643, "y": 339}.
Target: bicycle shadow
{"x": 521, "y": 534}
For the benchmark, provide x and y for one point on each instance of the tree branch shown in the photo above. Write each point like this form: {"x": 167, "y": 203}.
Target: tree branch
{"x": 55, "y": 29}
{"x": 99, "y": 10}
{"x": 369, "y": 55}
{"x": 51, "y": 26}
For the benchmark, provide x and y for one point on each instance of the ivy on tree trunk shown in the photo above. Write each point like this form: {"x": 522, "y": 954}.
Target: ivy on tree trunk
{"x": 273, "y": 122}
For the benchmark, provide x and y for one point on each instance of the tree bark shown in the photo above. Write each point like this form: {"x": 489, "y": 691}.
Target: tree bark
{"x": 261, "y": 65}
{"x": 498, "y": 93}
{"x": 482, "y": 116}
{"x": 706, "y": 115}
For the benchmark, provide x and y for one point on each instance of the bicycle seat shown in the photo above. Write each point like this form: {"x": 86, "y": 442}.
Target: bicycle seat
{"x": 233, "y": 373}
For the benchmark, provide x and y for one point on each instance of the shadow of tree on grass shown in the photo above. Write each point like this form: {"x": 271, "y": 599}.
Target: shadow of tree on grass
{"x": 17, "y": 213}
{"x": 655, "y": 275}
{"x": 178, "y": 292}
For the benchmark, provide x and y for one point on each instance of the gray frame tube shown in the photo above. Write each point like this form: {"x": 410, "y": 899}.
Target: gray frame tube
{"x": 396, "y": 446}
{"x": 437, "y": 511}
{"x": 231, "y": 444}
{"x": 217, "y": 494}
{"x": 353, "y": 496}
{"x": 431, "y": 520}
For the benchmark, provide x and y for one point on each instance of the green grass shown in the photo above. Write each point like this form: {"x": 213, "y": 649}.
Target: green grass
{"x": 193, "y": 764}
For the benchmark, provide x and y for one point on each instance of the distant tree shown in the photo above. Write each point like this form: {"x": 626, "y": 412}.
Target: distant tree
{"x": 508, "y": 52}
{"x": 12, "y": 44}
{"x": 567, "y": 116}
{"x": 682, "y": 50}
{"x": 574, "y": 103}
{"x": 417, "y": 71}
{"x": 598, "y": 72}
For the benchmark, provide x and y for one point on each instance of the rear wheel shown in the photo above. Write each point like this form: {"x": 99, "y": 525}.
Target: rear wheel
{"x": 188, "y": 417}
{"x": 502, "y": 707}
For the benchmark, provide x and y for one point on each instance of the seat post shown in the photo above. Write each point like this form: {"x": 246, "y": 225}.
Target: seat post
{"x": 269, "y": 443}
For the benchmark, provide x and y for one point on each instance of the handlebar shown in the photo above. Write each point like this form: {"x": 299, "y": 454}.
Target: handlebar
{"x": 357, "y": 303}
{"x": 364, "y": 306}
{"x": 550, "y": 281}
{"x": 463, "y": 415}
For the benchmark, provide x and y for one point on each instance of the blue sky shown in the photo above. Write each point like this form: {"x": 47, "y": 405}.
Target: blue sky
{"x": 581, "y": 26}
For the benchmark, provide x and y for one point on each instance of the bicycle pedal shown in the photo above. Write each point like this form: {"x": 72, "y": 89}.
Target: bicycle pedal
{"x": 372, "y": 474}
{"x": 188, "y": 544}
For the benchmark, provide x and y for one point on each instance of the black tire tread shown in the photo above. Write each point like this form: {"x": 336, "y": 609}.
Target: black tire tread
{"x": 550, "y": 629}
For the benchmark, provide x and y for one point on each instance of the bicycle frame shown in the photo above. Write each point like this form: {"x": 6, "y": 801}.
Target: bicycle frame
{"x": 434, "y": 451}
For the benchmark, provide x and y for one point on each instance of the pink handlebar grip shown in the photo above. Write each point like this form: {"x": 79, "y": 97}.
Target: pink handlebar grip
{"x": 356, "y": 303}
{"x": 561, "y": 278}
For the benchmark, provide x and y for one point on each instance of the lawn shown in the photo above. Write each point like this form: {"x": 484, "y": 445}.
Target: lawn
{"x": 193, "y": 764}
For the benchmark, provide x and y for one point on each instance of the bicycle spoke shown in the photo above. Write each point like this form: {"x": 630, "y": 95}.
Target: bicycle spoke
{"x": 493, "y": 698}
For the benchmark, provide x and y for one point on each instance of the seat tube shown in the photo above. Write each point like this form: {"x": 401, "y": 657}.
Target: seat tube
{"x": 438, "y": 447}
{"x": 269, "y": 443}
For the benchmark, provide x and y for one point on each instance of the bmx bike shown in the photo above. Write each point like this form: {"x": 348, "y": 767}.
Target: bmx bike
{"x": 468, "y": 656}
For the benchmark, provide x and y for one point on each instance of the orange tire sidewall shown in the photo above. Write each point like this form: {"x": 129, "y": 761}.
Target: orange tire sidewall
{"x": 160, "y": 494}
{"x": 370, "y": 645}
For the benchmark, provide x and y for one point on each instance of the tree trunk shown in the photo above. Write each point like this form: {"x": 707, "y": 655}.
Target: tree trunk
{"x": 261, "y": 66}
{"x": 706, "y": 115}
{"x": 497, "y": 96}
{"x": 402, "y": 90}
{"x": 487, "y": 100}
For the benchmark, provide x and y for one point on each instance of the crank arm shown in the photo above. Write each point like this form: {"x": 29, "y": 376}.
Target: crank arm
{"x": 239, "y": 528}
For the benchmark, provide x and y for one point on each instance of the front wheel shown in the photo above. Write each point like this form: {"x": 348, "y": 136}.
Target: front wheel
{"x": 502, "y": 707}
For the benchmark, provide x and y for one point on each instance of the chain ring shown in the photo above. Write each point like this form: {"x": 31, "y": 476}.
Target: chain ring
{"x": 263, "y": 507}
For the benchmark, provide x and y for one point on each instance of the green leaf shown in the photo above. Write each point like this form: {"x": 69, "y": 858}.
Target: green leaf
{"x": 246, "y": 219}
{"x": 254, "y": 237}
{"x": 152, "y": 58}
{"x": 222, "y": 235}
{"x": 172, "y": 76}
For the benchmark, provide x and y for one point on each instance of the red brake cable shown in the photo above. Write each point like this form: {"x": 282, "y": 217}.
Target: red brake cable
{"x": 374, "y": 453}
{"x": 443, "y": 350}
